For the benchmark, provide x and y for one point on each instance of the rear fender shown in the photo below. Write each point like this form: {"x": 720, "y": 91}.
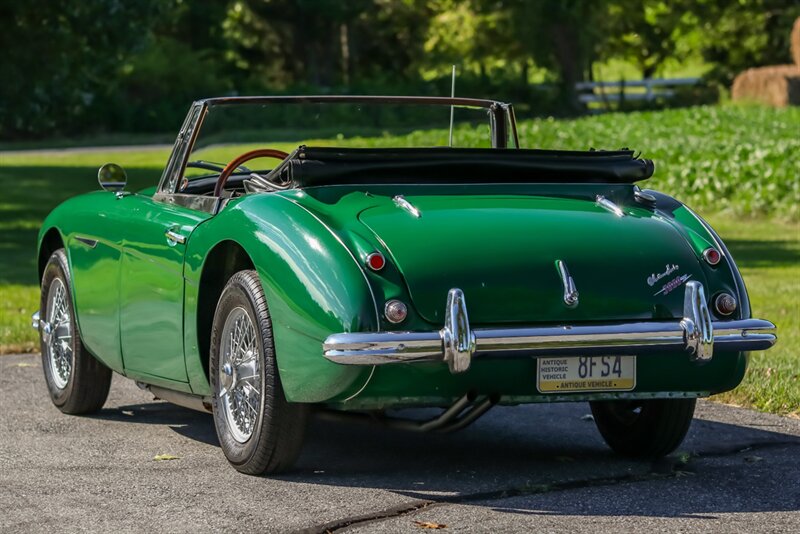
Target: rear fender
{"x": 691, "y": 222}
{"x": 313, "y": 285}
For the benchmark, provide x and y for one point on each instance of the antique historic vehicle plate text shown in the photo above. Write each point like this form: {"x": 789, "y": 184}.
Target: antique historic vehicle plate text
{"x": 586, "y": 373}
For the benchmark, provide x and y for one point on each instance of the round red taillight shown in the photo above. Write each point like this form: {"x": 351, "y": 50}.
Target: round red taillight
{"x": 712, "y": 256}
{"x": 396, "y": 311}
{"x": 725, "y": 304}
{"x": 376, "y": 261}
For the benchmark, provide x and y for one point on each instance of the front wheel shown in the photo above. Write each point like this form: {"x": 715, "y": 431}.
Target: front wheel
{"x": 643, "y": 428}
{"x": 258, "y": 430}
{"x": 77, "y": 382}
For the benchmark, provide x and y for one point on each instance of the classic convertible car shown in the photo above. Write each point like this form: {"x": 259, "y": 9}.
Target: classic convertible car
{"x": 365, "y": 280}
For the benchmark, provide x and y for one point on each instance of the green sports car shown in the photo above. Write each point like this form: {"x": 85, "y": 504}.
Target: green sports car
{"x": 276, "y": 270}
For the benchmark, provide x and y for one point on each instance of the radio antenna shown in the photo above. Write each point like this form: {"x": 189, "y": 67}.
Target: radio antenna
{"x": 452, "y": 108}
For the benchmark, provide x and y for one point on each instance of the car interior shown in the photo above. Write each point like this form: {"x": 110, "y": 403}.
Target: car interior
{"x": 317, "y": 166}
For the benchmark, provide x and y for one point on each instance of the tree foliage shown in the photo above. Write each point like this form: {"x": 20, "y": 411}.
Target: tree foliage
{"x": 647, "y": 32}
{"x": 134, "y": 65}
{"x": 60, "y": 57}
{"x": 737, "y": 35}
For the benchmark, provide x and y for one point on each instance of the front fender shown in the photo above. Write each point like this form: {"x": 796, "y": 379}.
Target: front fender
{"x": 313, "y": 285}
{"x": 90, "y": 236}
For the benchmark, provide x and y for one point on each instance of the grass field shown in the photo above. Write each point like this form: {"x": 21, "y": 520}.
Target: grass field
{"x": 739, "y": 166}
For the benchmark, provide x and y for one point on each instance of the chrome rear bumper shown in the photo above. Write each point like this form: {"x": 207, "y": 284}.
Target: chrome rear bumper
{"x": 457, "y": 343}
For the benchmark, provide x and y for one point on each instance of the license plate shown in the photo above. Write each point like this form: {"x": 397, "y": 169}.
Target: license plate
{"x": 586, "y": 373}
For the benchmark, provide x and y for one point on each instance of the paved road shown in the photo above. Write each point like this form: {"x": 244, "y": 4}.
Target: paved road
{"x": 535, "y": 468}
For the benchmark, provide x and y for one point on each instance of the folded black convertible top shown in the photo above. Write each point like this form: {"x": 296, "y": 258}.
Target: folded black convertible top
{"x": 313, "y": 166}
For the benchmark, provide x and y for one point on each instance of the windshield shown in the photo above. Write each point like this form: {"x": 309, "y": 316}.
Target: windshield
{"x": 231, "y": 129}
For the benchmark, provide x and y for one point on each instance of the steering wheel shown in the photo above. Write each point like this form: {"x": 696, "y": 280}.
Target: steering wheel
{"x": 237, "y": 162}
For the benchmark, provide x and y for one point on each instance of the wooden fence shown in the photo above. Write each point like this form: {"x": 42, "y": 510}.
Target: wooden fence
{"x": 606, "y": 92}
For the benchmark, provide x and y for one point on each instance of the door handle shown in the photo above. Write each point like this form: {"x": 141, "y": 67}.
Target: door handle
{"x": 175, "y": 237}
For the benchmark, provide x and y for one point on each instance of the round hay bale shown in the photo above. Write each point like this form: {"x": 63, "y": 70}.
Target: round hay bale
{"x": 778, "y": 85}
{"x": 796, "y": 42}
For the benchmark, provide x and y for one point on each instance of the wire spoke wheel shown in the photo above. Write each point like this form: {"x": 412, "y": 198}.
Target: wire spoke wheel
{"x": 76, "y": 381}
{"x": 259, "y": 431}
{"x": 240, "y": 386}
{"x": 57, "y": 334}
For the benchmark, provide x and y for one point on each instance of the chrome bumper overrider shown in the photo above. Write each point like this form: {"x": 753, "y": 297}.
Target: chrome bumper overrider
{"x": 457, "y": 343}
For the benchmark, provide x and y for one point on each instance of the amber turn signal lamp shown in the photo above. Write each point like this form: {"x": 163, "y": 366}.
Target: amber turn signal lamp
{"x": 712, "y": 256}
{"x": 376, "y": 261}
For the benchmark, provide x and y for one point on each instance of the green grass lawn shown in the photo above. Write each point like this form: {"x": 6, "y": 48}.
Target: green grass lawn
{"x": 740, "y": 164}
{"x": 768, "y": 254}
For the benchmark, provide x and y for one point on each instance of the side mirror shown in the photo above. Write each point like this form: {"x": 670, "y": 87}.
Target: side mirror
{"x": 112, "y": 177}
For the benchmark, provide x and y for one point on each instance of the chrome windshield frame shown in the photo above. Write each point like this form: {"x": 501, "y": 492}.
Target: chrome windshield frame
{"x": 502, "y": 123}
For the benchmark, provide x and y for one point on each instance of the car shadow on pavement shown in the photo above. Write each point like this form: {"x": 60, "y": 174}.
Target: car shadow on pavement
{"x": 189, "y": 423}
{"x": 528, "y": 455}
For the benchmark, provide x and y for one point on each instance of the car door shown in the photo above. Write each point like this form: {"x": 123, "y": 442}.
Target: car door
{"x": 151, "y": 268}
{"x": 152, "y": 287}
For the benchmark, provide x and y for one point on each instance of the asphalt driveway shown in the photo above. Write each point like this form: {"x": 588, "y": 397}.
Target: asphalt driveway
{"x": 531, "y": 468}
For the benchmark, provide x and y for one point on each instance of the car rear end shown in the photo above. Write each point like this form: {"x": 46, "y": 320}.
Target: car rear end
{"x": 534, "y": 291}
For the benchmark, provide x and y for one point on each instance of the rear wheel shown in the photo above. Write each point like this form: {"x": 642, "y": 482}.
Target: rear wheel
{"x": 643, "y": 428}
{"x": 77, "y": 382}
{"x": 259, "y": 431}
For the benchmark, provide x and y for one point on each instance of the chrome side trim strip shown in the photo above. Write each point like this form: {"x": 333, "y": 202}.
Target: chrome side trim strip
{"x": 210, "y": 205}
{"x": 404, "y": 204}
{"x": 457, "y": 343}
{"x": 91, "y": 243}
{"x": 604, "y": 203}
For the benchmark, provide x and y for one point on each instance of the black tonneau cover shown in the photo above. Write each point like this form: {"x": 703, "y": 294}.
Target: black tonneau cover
{"x": 311, "y": 166}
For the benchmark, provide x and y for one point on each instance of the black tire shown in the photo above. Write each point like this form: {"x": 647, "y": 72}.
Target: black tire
{"x": 643, "y": 428}
{"x": 277, "y": 433}
{"x": 88, "y": 381}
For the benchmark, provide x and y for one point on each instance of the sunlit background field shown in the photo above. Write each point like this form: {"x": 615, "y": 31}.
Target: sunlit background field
{"x": 737, "y": 165}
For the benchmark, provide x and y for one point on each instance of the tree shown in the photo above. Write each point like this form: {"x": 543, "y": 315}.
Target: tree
{"x": 562, "y": 36}
{"x": 646, "y": 32}
{"x": 473, "y": 34}
{"x": 59, "y": 57}
{"x": 329, "y": 42}
{"x": 740, "y": 35}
